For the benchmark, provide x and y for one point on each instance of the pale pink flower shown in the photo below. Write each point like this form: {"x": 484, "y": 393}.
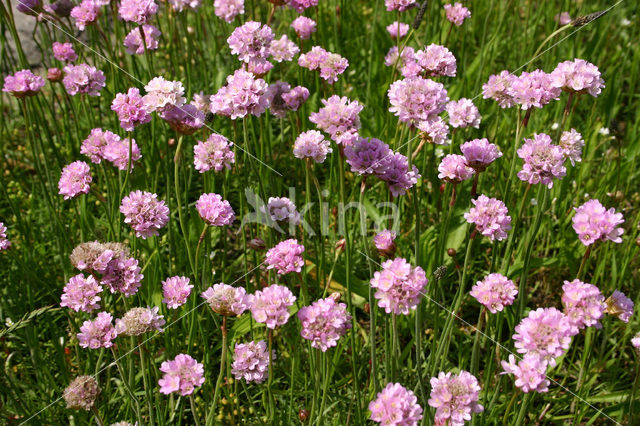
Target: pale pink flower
{"x": 456, "y": 13}
{"x": 182, "y": 374}
{"x": 271, "y": 305}
{"x": 495, "y": 292}
{"x": 396, "y": 405}
{"x": 75, "y": 179}
{"x": 455, "y": 398}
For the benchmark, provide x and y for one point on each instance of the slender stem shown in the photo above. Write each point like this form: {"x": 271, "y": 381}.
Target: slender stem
{"x": 223, "y": 367}
{"x": 127, "y": 386}
{"x": 584, "y": 262}
{"x": 506, "y": 261}
{"x": 394, "y": 352}
{"x": 176, "y": 174}
{"x": 270, "y": 380}
{"x": 192, "y": 402}
{"x": 523, "y": 408}
{"x": 505, "y": 418}
{"x": 203, "y": 234}
{"x": 95, "y": 412}
{"x": 476, "y": 342}
{"x": 147, "y": 388}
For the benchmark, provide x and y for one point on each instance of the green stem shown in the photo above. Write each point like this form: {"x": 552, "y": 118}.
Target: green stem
{"x": 223, "y": 367}
{"x": 127, "y": 386}
{"x": 147, "y": 388}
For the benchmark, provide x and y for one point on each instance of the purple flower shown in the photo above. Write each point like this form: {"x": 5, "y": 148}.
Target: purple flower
{"x": 583, "y": 304}
{"x": 117, "y": 152}
{"x": 274, "y": 94}
{"x": 397, "y": 30}
{"x": 29, "y": 7}
{"x": 397, "y": 175}
{"x": 417, "y": 99}
{"x": 301, "y": 5}
{"x": 98, "y": 333}
{"x": 571, "y": 144}
{"x": 81, "y": 294}
{"x": 577, "y": 76}
{"x": 183, "y": 374}
{"x": 244, "y": 94}
{"x": 86, "y": 13}
{"x": 283, "y": 49}
{"x": 479, "y": 153}
{"x": 453, "y": 168}
{"x": 463, "y": 113}
{"x": 399, "y": 286}
{"x": 138, "y": 11}
{"x": 214, "y": 153}
{"x": 543, "y": 161}
{"x": 4, "y": 242}
{"x": 384, "y": 242}
{"x": 324, "y": 322}
{"x": 530, "y": 372}
{"x": 75, "y": 179}
{"x": 562, "y": 18}
{"x": 133, "y": 40}
{"x": 635, "y": 341}
{"x": 138, "y": 321}
{"x": 60, "y": 8}
{"x": 339, "y": 115}
{"x": 122, "y": 275}
{"x": 455, "y": 398}
{"x": 533, "y": 89}
{"x": 436, "y": 60}
{"x": 95, "y": 144}
{"x": 214, "y": 210}
{"x": 304, "y": 27}
{"x": 251, "y": 41}
{"x": 83, "y": 79}
{"x": 185, "y": 119}
{"x": 131, "y": 109}
{"x": 619, "y": 305}
{"x": 495, "y": 292}
{"x": 162, "y": 94}
{"x": 295, "y": 97}
{"x": 311, "y": 144}
{"x": 286, "y": 257}
{"x": 435, "y": 130}
{"x": 176, "y": 291}
{"x": 399, "y": 5}
{"x": 395, "y": 405}
{"x": 367, "y": 156}
{"x": 251, "y": 361}
{"x": 228, "y": 9}
{"x": 64, "y": 52}
{"x": 81, "y": 393}
{"x": 498, "y": 88}
{"x": 545, "y": 332}
{"x": 282, "y": 209}
{"x": 456, "y": 13}
{"x": 490, "y": 216}
{"x": 226, "y": 300}
{"x": 144, "y": 213}
{"x": 271, "y": 305}
{"x": 23, "y": 83}
{"x": 593, "y": 222}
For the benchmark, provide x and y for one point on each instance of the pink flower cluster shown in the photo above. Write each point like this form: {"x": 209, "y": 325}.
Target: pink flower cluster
{"x": 105, "y": 145}
{"x": 490, "y": 216}
{"x": 620, "y": 305}
{"x": 384, "y": 242}
{"x": 134, "y": 43}
{"x": 331, "y": 65}
{"x": 64, "y": 52}
{"x": 163, "y": 94}
{"x": 339, "y": 116}
{"x": 98, "y": 333}
{"x": 286, "y": 257}
{"x": 85, "y": 13}
{"x": 530, "y": 372}
{"x": 543, "y": 161}
{"x": 495, "y": 292}
{"x": 138, "y": 11}
{"x": 304, "y": 27}
{"x": 81, "y": 294}
{"x": 182, "y": 374}
{"x": 577, "y": 76}
{"x": 453, "y": 168}
{"x": 185, "y": 119}
{"x": 545, "y": 332}
{"x": 311, "y": 144}
{"x": 226, "y": 300}
{"x": 533, "y": 89}
{"x": 23, "y": 83}
{"x": 397, "y": 30}
{"x": 324, "y": 322}
{"x": 435, "y": 130}
{"x": 456, "y": 13}
{"x": 455, "y": 398}
{"x": 498, "y": 88}
{"x": 396, "y": 405}
{"x": 463, "y": 113}
{"x": 397, "y": 174}
{"x": 75, "y": 179}
{"x": 83, "y": 79}
{"x": 417, "y": 99}
{"x": 571, "y": 144}
{"x": 214, "y": 210}
{"x": 227, "y": 10}
{"x": 399, "y": 286}
{"x": 176, "y": 291}
{"x": 271, "y": 305}
{"x": 479, "y": 153}
{"x": 399, "y": 5}
{"x": 213, "y": 154}
{"x": 282, "y": 209}
{"x": 583, "y": 304}
{"x": 283, "y": 49}
{"x": 251, "y": 41}
{"x": 367, "y": 156}
{"x": 434, "y": 60}
{"x": 301, "y": 5}
{"x": 4, "y": 242}
{"x": 244, "y": 94}
{"x": 131, "y": 109}
{"x": 251, "y": 361}
{"x": 144, "y": 213}
{"x": 593, "y": 222}
{"x": 282, "y": 98}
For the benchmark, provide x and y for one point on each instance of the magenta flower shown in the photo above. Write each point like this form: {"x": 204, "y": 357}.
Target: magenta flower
{"x": 463, "y": 113}
{"x": 304, "y": 27}
{"x": 244, "y": 94}
{"x": 397, "y": 30}
{"x": 435, "y": 130}
{"x": 338, "y": 116}
{"x": 577, "y": 76}
{"x": 543, "y": 161}
{"x": 81, "y": 294}
{"x": 227, "y": 10}
{"x": 456, "y": 13}
{"x": 23, "y": 83}
{"x": 4, "y": 242}
{"x": 81, "y": 393}
{"x": 367, "y": 156}
{"x": 479, "y": 153}
{"x": 75, "y": 179}
{"x": 495, "y": 292}
{"x": 213, "y": 154}
{"x": 593, "y": 222}
{"x": 490, "y": 216}
{"x": 399, "y": 286}
{"x": 182, "y": 374}
{"x": 131, "y": 109}
{"x": 436, "y": 60}
{"x": 498, "y": 88}
{"x": 122, "y": 275}
{"x": 282, "y": 209}
{"x": 397, "y": 175}
{"x": 286, "y": 257}
{"x": 571, "y": 144}
{"x": 455, "y": 398}
{"x": 251, "y": 361}
{"x": 453, "y": 168}
{"x": 226, "y": 300}
{"x": 533, "y": 89}
{"x": 619, "y": 305}
{"x": 176, "y": 291}
{"x": 417, "y": 99}
{"x": 29, "y": 7}
{"x": 530, "y": 372}
{"x": 271, "y": 305}
{"x": 138, "y": 11}
{"x": 117, "y": 152}
{"x": 185, "y": 119}
{"x": 583, "y": 304}
{"x": 162, "y": 94}
{"x": 214, "y": 210}
{"x": 95, "y": 144}
{"x": 144, "y": 213}
{"x": 324, "y": 322}
{"x": 83, "y": 79}
{"x": 251, "y": 41}
{"x": 85, "y": 13}
{"x": 133, "y": 40}
{"x": 311, "y": 144}
{"x": 301, "y": 5}
{"x": 54, "y": 75}
{"x": 64, "y": 52}
{"x": 545, "y": 332}
{"x": 138, "y": 321}
{"x": 283, "y": 49}
{"x": 384, "y": 242}
{"x": 399, "y": 5}
{"x": 395, "y": 405}
{"x": 98, "y": 333}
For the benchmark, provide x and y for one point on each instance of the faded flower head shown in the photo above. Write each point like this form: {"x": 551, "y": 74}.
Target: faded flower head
{"x": 399, "y": 286}
{"x": 75, "y": 179}
{"x": 185, "y": 119}
{"x": 271, "y": 305}
{"x": 138, "y": 321}
{"x": 395, "y": 405}
{"x": 214, "y": 210}
{"x": 251, "y": 361}
{"x": 593, "y": 222}
{"x": 182, "y": 374}
{"x": 81, "y": 394}
{"x": 175, "y": 291}
{"x": 226, "y": 300}
{"x": 283, "y": 49}
{"x": 81, "y": 294}
{"x": 495, "y": 292}
{"x": 324, "y": 322}
{"x": 455, "y": 398}
{"x": 93, "y": 256}
{"x": 619, "y": 305}
{"x": 213, "y": 154}
{"x": 490, "y": 216}
{"x": 286, "y": 257}
{"x": 543, "y": 161}
{"x": 144, "y": 213}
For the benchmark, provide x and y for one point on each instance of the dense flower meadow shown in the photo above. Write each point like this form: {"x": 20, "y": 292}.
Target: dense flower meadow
{"x": 319, "y": 212}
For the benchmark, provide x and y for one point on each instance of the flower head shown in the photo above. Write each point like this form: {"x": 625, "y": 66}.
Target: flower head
{"x": 543, "y": 161}
{"x": 93, "y": 256}
{"x": 162, "y": 94}
{"x": 213, "y": 154}
{"x": 251, "y": 361}
{"x": 286, "y": 257}
{"x": 330, "y": 64}
{"x": 532, "y": 89}
{"x": 399, "y": 5}
{"x": 98, "y": 333}
{"x": 490, "y": 216}
{"x": 619, "y": 305}
{"x": 244, "y": 94}
{"x": 384, "y": 242}
{"x": 324, "y": 322}
{"x": 479, "y": 153}
{"x": 121, "y": 274}
{"x": 635, "y": 341}
{"x": 495, "y": 292}
{"x": 397, "y": 174}
{"x": 417, "y": 99}
{"x": 4, "y": 242}
{"x": 545, "y": 332}
{"x": 176, "y": 291}
{"x": 583, "y": 304}
{"x": 455, "y": 398}
{"x": 530, "y": 372}
{"x": 295, "y": 97}
{"x": 453, "y": 168}
{"x": 75, "y": 179}
{"x": 131, "y": 109}
{"x": 29, "y": 7}
{"x": 145, "y": 213}
{"x": 214, "y": 210}
{"x": 94, "y": 145}
{"x": 301, "y": 5}
{"x": 138, "y": 321}
{"x": 434, "y": 130}
{"x": 226, "y": 300}
{"x": 338, "y": 116}
{"x": 397, "y": 30}
{"x": 271, "y": 305}
{"x": 436, "y": 60}
{"x": 367, "y": 156}
{"x": 593, "y": 222}
{"x": 463, "y": 113}
{"x": 282, "y": 209}
{"x": 577, "y": 76}
{"x": 23, "y": 83}
{"x": 304, "y": 27}
{"x": 138, "y": 11}
{"x": 185, "y": 119}
{"x": 251, "y": 41}
{"x": 571, "y": 144}
{"x": 182, "y": 374}
{"x": 64, "y": 52}
{"x": 283, "y": 49}
{"x": 133, "y": 40}
{"x": 311, "y": 144}
{"x": 456, "y": 13}
{"x": 81, "y": 294}
{"x": 81, "y": 393}
{"x": 396, "y": 405}
{"x": 399, "y": 286}
{"x": 83, "y": 79}
{"x": 85, "y": 13}
{"x": 498, "y": 88}
{"x": 227, "y": 10}
{"x": 117, "y": 152}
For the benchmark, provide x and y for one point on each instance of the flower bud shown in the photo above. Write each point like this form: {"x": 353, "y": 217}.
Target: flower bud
{"x": 257, "y": 244}
{"x": 54, "y": 75}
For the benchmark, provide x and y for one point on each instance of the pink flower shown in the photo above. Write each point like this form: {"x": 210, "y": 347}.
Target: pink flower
{"x": 577, "y": 76}
{"x": 571, "y": 144}
{"x": 133, "y": 40}
{"x": 86, "y": 13}
{"x": 619, "y": 305}
{"x": 456, "y": 13}
{"x": 417, "y": 99}
{"x": 455, "y": 398}
{"x": 311, "y": 144}
{"x": 282, "y": 209}
{"x": 185, "y": 119}
{"x": 490, "y": 216}
{"x": 367, "y": 156}
{"x": 162, "y": 94}
{"x": 145, "y": 213}
{"x": 338, "y": 116}
{"x": 138, "y": 11}
{"x": 213, "y": 154}
{"x": 251, "y": 41}
{"x": 283, "y": 49}
{"x": 406, "y": 57}
{"x": 463, "y": 113}
{"x": 183, "y": 374}
{"x": 635, "y": 341}
{"x": 64, "y": 52}
{"x": 176, "y": 291}
{"x": 75, "y": 179}
{"x": 583, "y": 304}
{"x": 244, "y": 94}
{"x": 384, "y": 242}
{"x": 295, "y": 97}
{"x": 435, "y": 130}
{"x": 397, "y": 29}
{"x": 395, "y": 405}
{"x": 98, "y": 333}
{"x": 95, "y": 144}
{"x": 304, "y": 27}
{"x": 399, "y": 286}
{"x": 543, "y": 161}
{"x": 399, "y": 5}
{"x": 453, "y": 168}
{"x": 117, "y": 152}
{"x": 533, "y": 89}
{"x": 271, "y": 305}
{"x": 593, "y": 222}
{"x": 301, "y": 5}
{"x": 4, "y": 242}
{"x": 251, "y": 361}
{"x": 259, "y": 67}
{"x": 214, "y": 210}
{"x": 562, "y": 18}
{"x": 286, "y": 257}
{"x": 436, "y": 60}
{"x": 498, "y": 88}
{"x": 180, "y": 5}
{"x": 23, "y": 83}
{"x": 312, "y": 59}
{"x": 396, "y": 173}
{"x": 138, "y": 321}
{"x": 122, "y": 275}
{"x": 545, "y": 332}
{"x": 495, "y": 292}
{"x": 228, "y": 9}
{"x": 274, "y": 96}
{"x": 201, "y": 101}
{"x": 330, "y": 64}
{"x": 81, "y": 294}
{"x": 324, "y": 322}
{"x": 226, "y": 300}
{"x": 479, "y": 153}
{"x": 131, "y": 109}
{"x": 83, "y": 79}
{"x": 530, "y": 372}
